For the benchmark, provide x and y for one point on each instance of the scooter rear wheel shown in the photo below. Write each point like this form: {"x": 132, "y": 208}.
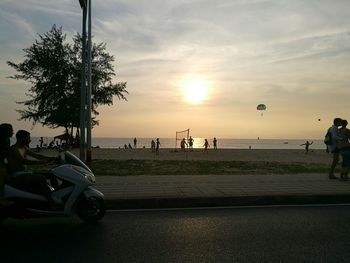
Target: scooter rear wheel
{"x": 91, "y": 209}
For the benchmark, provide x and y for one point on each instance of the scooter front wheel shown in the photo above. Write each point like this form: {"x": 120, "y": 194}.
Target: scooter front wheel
{"x": 91, "y": 209}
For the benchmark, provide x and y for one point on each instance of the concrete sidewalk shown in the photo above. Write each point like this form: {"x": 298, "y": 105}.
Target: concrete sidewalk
{"x": 220, "y": 190}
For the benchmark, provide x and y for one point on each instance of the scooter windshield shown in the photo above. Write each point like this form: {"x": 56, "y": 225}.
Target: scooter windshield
{"x": 72, "y": 159}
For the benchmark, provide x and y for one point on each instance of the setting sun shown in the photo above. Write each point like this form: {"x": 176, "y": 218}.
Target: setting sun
{"x": 195, "y": 90}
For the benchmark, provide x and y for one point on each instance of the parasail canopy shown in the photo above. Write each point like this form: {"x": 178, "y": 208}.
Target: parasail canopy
{"x": 261, "y": 107}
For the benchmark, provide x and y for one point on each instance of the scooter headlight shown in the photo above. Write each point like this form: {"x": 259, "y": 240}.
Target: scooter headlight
{"x": 88, "y": 176}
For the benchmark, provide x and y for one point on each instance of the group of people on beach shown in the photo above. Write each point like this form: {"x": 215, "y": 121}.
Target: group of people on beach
{"x": 190, "y": 142}
{"x": 155, "y": 145}
{"x": 13, "y": 159}
{"x": 184, "y": 144}
{"x": 129, "y": 145}
{"x": 61, "y": 142}
{"x": 338, "y": 144}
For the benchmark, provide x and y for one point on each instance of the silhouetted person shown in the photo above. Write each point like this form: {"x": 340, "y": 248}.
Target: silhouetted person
{"x": 206, "y": 144}
{"x": 153, "y": 145}
{"x": 215, "y": 143}
{"x": 18, "y": 158}
{"x": 51, "y": 144}
{"x": 183, "y": 144}
{"x": 6, "y": 132}
{"x": 344, "y": 149}
{"x": 157, "y": 146}
{"x": 307, "y": 145}
{"x": 190, "y": 142}
{"x": 333, "y": 147}
{"x": 41, "y": 141}
{"x": 135, "y": 142}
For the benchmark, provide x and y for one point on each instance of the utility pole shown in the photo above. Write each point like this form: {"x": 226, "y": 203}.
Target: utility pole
{"x": 82, "y": 126}
{"x": 89, "y": 92}
{"x": 86, "y": 90}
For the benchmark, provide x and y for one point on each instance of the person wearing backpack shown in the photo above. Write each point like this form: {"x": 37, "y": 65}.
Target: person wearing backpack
{"x": 344, "y": 150}
{"x": 333, "y": 145}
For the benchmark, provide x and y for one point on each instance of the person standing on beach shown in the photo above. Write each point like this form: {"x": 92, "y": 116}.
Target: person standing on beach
{"x": 153, "y": 145}
{"x": 190, "y": 143}
{"x": 215, "y": 143}
{"x": 307, "y": 145}
{"x": 135, "y": 142}
{"x": 41, "y": 142}
{"x": 157, "y": 146}
{"x": 183, "y": 144}
{"x": 333, "y": 147}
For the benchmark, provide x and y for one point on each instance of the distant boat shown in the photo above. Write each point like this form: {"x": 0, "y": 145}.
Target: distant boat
{"x": 285, "y": 143}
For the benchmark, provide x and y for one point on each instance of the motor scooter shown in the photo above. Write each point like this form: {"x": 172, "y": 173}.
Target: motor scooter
{"x": 74, "y": 194}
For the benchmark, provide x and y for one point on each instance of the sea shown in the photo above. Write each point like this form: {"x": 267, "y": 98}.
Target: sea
{"x": 222, "y": 143}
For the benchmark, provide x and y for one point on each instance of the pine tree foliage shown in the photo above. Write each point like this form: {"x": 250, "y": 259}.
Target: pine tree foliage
{"x": 53, "y": 69}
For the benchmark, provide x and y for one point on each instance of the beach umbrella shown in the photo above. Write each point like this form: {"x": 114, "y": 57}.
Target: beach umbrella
{"x": 261, "y": 107}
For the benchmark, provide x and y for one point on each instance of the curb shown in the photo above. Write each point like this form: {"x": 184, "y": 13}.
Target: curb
{"x": 156, "y": 203}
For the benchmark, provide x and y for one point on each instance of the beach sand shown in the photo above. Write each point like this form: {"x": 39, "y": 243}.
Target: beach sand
{"x": 265, "y": 155}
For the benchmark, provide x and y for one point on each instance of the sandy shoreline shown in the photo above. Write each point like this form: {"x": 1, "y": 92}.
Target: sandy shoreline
{"x": 268, "y": 155}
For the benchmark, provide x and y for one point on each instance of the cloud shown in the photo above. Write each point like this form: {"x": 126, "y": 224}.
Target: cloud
{"x": 50, "y": 7}
{"x": 250, "y": 50}
{"x": 16, "y": 21}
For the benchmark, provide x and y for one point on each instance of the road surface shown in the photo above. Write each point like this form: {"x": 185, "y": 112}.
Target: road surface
{"x": 255, "y": 234}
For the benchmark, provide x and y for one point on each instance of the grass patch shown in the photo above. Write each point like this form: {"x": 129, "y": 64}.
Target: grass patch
{"x": 175, "y": 167}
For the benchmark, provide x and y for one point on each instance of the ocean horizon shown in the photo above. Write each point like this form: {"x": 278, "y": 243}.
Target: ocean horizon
{"x": 222, "y": 143}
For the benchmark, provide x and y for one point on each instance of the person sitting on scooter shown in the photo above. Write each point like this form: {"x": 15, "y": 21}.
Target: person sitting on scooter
{"x": 6, "y": 132}
{"x": 17, "y": 159}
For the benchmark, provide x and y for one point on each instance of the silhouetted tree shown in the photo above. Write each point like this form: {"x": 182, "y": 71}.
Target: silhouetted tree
{"x": 53, "y": 68}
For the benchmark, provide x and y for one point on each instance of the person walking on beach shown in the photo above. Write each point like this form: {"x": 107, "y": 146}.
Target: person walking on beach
{"x": 135, "y": 142}
{"x": 215, "y": 143}
{"x": 307, "y": 145}
{"x": 333, "y": 146}
{"x": 157, "y": 146}
{"x": 190, "y": 143}
{"x": 206, "y": 144}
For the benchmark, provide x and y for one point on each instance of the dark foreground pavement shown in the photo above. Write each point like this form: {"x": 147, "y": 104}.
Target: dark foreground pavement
{"x": 169, "y": 191}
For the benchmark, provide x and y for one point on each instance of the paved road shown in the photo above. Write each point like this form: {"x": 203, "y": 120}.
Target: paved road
{"x": 254, "y": 234}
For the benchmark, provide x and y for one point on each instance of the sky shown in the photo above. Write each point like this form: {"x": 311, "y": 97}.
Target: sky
{"x": 200, "y": 64}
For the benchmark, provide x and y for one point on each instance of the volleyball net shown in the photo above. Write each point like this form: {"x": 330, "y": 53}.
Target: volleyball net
{"x": 185, "y": 134}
